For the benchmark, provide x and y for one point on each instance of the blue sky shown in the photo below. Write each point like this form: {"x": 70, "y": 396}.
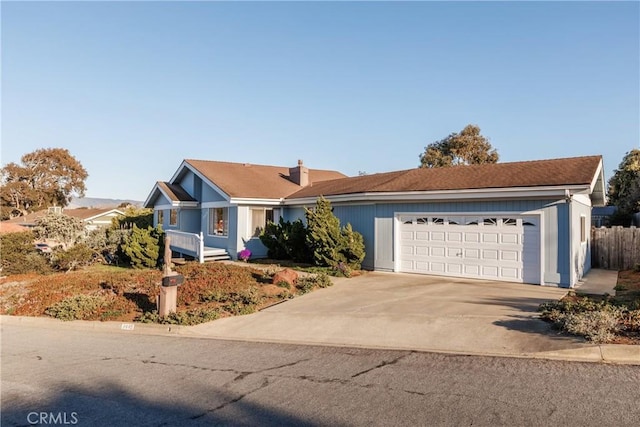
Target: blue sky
{"x": 132, "y": 88}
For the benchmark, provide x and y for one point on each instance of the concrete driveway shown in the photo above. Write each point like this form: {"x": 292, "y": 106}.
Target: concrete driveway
{"x": 405, "y": 311}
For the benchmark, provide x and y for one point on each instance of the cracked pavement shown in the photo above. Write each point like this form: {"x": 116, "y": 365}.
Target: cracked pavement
{"x": 115, "y": 378}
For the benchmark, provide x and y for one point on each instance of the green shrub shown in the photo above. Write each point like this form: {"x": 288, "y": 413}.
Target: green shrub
{"x": 144, "y": 246}
{"x": 19, "y": 255}
{"x": 107, "y": 242}
{"x": 74, "y": 258}
{"x": 190, "y": 317}
{"x": 251, "y": 295}
{"x": 286, "y": 240}
{"x": 306, "y": 284}
{"x": 237, "y": 308}
{"x": 215, "y": 295}
{"x": 323, "y": 281}
{"x": 283, "y": 284}
{"x": 140, "y": 217}
{"x": 79, "y": 307}
{"x": 597, "y": 321}
{"x": 61, "y": 228}
{"x": 597, "y": 326}
{"x": 331, "y": 245}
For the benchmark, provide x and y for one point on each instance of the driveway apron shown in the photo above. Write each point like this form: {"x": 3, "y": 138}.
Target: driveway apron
{"x": 409, "y": 312}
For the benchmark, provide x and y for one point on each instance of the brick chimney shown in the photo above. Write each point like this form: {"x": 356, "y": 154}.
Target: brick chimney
{"x": 299, "y": 175}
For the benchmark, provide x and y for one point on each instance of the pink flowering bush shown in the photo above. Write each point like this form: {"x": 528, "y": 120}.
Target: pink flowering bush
{"x": 244, "y": 255}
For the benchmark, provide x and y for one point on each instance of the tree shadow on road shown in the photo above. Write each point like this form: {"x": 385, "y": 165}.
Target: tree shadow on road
{"x": 114, "y": 405}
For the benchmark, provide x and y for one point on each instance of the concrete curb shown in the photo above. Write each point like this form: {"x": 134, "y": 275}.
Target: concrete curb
{"x": 603, "y": 353}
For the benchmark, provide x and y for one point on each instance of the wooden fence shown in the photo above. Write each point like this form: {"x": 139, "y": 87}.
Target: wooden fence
{"x": 615, "y": 248}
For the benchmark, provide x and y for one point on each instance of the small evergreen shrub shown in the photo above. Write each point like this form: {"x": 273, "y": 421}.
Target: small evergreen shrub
{"x": 330, "y": 244}
{"x": 307, "y": 284}
{"x": 144, "y": 246}
{"x": 187, "y": 318}
{"x": 286, "y": 240}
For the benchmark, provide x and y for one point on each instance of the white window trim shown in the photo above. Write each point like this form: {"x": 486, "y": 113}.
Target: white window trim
{"x": 250, "y": 227}
{"x": 218, "y": 236}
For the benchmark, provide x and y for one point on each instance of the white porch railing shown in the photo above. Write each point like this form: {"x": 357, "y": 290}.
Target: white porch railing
{"x": 188, "y": 243}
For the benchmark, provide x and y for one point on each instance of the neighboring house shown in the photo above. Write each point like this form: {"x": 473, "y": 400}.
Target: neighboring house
{"x": 519, "y": 222}
{"x": 7, "y": 227}
{"x": 92, "y": 218}
{"x": 601, "y": 215}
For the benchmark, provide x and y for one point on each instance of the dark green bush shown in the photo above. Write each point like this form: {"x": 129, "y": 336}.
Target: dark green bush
{"x": 331, "y": 245}
{"x": 140, "y": 217}
{"x": 19, "y": 255}
{"x": 286, "y": 240}
{"x": 143, "y": 247}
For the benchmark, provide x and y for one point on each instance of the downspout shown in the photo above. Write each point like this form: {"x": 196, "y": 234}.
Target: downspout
{"x": 569, "y": 198}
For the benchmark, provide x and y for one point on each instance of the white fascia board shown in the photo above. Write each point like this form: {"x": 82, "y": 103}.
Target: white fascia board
{"x": 178, "y": 203}
{"x": 163, "y": 207}
{"x": 596, "y": 176}
{"x": 599, "y": 177}
{"x": 253, "y": 201}
{"x": 116, "y": 211}
{"x": 186, "y": 204}
{"x": 151, "y": 195}
{"x": 201, "y": 176}
{"x": 222, "y": 204}
{"x": 446, "y": 195}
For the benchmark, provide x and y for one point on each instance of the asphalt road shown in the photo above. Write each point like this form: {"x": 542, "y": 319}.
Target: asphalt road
{"x": 58, "y": 376}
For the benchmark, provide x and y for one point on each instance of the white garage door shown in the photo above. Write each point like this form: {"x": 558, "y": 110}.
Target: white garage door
{"x": 483, "y": 247}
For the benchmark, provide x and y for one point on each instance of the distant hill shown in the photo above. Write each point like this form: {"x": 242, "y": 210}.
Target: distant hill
{"x": 96, "y": 202}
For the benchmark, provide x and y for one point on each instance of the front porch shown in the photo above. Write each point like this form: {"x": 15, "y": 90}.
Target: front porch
{"x": 192, "y": 245}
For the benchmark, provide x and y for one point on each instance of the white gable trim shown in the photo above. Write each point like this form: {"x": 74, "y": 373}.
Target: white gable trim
{"x": 91, "y": 218}
{"x": 174, "y": 203}
{"x": 204, "y": 179}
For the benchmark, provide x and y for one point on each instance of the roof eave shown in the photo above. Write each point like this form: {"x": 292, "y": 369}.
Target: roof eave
{"x": 597, "y": 189}
{"x": 151, "y": 196}
{"x": 256, "y": 201}
{"x": 444, "y": 195}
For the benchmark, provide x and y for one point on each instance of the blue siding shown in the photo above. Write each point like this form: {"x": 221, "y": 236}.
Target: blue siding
{"x": 361, "y": 219}
{"x": 187, "y": 182}
{"x": 376, "y": 223}
{"x": 190, "y": 220}
{"x": 210, "y": 195}
{"x": 161, "y": 200}
{"x": 556, "y": 237}
{"x": 293, "y": 213}
{"x": 227, "y": 242}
